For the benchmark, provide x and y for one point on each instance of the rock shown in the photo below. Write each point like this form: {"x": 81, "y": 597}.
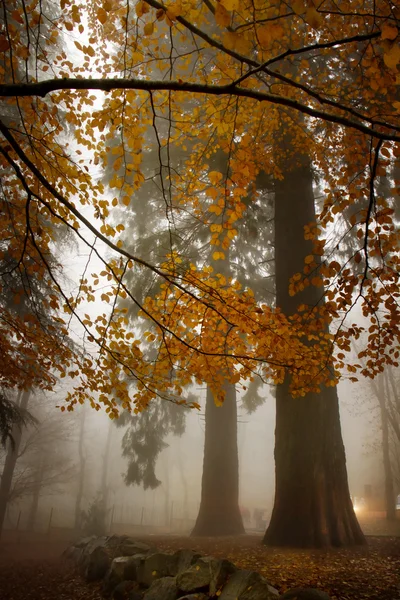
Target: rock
{"x": 97, "y": 565}
{"x": 153, "y": 567}
{"x": 129, "y": 547}
{"x": 248, "y": 585}
{"x": 305, "y": 594}
{"x": 74, "y": 553}
{"x": 123, "y": 590}
{"x": 115, "y": 574}
{"x": 89, "y": 549}
{"x": 182, "y": 560}
{"x": 162, "y": 589}
{"x": 84, "y": 541}
{"x": 133, "y": 565}
{"x": 206, "y": 573}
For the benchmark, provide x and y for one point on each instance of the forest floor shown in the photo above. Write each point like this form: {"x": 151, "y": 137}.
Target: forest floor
{"x": 35, "y": 570}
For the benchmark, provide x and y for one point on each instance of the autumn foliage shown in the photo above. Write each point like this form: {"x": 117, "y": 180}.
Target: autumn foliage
{"x": 86, "y": 85}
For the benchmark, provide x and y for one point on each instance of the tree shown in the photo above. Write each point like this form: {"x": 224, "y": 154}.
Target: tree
{"x": 310, "y": 459}
{"x": 11, "y": 461}
{"x": 39, "y": 460}
{"x": 244, "y": 75}
{"x": 31, "y": 340}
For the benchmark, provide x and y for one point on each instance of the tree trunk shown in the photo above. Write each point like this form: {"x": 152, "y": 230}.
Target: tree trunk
{"x": 312, "y": 505}
{"x": 219, "y": 512}
{"x": 36, "y": 494}
{"x": 10, "y": 462}
{"x": 82, "y": 472}
{"x": 390, "y": 500}
{"x": 104, "y": 488}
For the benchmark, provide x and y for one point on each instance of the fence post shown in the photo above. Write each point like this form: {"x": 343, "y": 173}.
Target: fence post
{"x": 141, "y": 518}
{"x": 18, "y": 520}
{"x": 171, "y": 514}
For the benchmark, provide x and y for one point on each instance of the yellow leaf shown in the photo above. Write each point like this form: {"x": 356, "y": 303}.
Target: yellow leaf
{"x": 139, "y": 8}
{"x": 268, "y": 33}
{"x": 102, "y": 15}
{"x": 16, "y": 15}
{"x": 313, "y": 18}
{"x": 299, "y": 7}
{"x": 174, "y": 10}
{"x": 148, "y": 28}
{"x": 4, "y": 44}
{"x": 309, "y": 259}
{"x": 218, "y": 256}
{"x": 389, "y": 32}
{"x": 230, "y": 4}
{"x": 215, "y": 177}
{"x": 392, "y": 57}
{"x": 107, "y": 5}
{"x": 222, "y": 16}
{"x": 215, "y": 209}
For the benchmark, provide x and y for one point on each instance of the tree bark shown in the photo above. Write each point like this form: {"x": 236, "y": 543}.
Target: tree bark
{"x": 312, "y": 505}
{"x": 219, "y": 512}
{"x": 104, "y": 488}
{"x": 36, "y": 494}
{"x": 10, "y": 462}
{"x": 82, "y": 472}
{"x": 390, "y": 500}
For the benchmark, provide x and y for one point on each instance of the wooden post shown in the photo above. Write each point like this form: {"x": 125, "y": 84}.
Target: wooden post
{"x": 18, "y": 520}
{"x": 141, "y": 518}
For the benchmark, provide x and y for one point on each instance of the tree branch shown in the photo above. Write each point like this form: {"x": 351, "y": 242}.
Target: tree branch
{"x": 43, "y": 88}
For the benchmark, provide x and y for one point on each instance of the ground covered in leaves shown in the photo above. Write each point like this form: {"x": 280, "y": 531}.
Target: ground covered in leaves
{"x": 36, "y": 571}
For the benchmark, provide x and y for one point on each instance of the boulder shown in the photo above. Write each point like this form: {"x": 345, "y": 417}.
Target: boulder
{"x": 84, "y": 541}
{"x": 97, "y": 564}
{"x": 182, "y": 560}
{"x": 304, "y": 594}
{"x": 162, "y": 589}
{"x": 89, "y": 549}
{"x": 129, "y": 547}
{"x": 206, "y": 574}
{"x": 116, "y": 573}
{"x": 248, "y": 585}
{"x": 133, "y": 565}
{"x": 123, "y": 590}
{"x": 154, "y": 566}
{"x": 74, "y": 553}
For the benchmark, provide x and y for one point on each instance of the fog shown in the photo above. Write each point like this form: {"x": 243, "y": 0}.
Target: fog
{"x": 174, "y": 504}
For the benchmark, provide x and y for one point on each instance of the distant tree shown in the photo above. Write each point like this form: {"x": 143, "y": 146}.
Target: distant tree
{"x": 39, "y": 461}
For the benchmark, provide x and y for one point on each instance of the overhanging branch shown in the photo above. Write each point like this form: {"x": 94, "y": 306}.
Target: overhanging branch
{"x": 43, "y": 88}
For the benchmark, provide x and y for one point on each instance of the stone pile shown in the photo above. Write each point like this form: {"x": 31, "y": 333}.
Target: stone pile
{"x": 132, "y": 570}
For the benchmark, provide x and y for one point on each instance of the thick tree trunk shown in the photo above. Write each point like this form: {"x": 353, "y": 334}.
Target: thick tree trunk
{"x": 219, "y": 512}
{"x": 10, "y": 462}
{"x": 387, "y": 466}
{"x": 312, "y": 502}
